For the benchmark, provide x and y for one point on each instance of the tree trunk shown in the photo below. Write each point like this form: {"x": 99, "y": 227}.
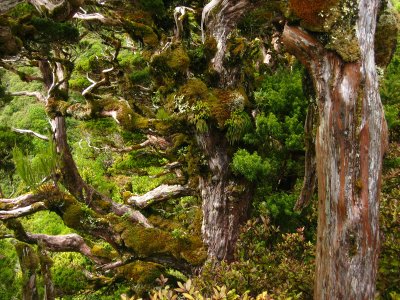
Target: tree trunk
{"x": 29, "y": 263}
{"x": 225, "y": 199}
{"x": 349, "y": 147}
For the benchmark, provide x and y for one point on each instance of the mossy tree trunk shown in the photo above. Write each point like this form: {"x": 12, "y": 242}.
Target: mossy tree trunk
{"x": 29, "y": 263}
{"x": 225, "y": 198}
{"x": 349, "y": 148}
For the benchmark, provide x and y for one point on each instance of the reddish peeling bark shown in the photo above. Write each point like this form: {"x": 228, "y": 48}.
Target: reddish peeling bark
{"x": 225, "y": 199}
{"x": 349, "y": 148}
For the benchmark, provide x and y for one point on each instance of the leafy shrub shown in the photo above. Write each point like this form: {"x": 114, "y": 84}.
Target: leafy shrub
{"x": 266, "y": 260}
{"x": 251, "y": 166}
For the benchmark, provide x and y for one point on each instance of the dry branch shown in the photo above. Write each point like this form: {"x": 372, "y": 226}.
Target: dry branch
{"x": 30, "y": 132}
{"x": 160, "y": 193}
{"x": 22, "y": 211}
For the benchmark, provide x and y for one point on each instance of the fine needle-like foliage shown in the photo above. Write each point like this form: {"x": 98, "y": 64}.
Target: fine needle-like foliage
{"x": 38, "y": 169}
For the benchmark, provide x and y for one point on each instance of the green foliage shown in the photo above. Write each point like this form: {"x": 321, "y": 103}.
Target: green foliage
{"x": 8, "y": 140}
{"x": 237, "y": 126}
{"x": 141, "y": 76}
{"x": 10, "y": 279}
{"x": 389, "y": 90}
{"x": 34, "y": 171}
{"x": 266, "y": 260}
{"x": 128, "y": 58}
{"x": 388, "y": 281}
{"x": 67, "y": 273}
{"x": 50, "y": 31}
{"x": 251, "y": 166}
{"x": 91, "y": 55}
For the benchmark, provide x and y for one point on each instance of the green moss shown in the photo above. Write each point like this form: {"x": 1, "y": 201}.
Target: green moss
{"x": 194, "y": 90}
{"x": 174, "y": 61}
{"x": 104, "y": 251}
{"x": 143, "y": 32}
{"x": 146, "y": 242}
{"x": 51, "y": 31}
{"x": 73, "y": 215}
{"x": 345, "y": 43}
{"x": 27, "y": 257}
{"x": 141, "y": 272}
{"x": 225, "y": 103}
{"x": 386, "y": 36}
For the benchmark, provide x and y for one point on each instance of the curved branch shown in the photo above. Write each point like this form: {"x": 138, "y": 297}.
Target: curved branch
{"x": 305, "y": 47}
{"x": 60, "y": 243}
{"x": 96, "y": 17}
{"x": 21, "y": 201}
{"x": 160, "y": 193}
{"x": 30, "y": 132}
{"x": 65, "y": 243}
{"x": 38, "y": 95}
{"x": 23, "y": 211}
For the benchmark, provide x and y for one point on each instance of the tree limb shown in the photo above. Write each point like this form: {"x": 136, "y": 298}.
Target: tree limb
{"x": 23, "y": 76}
{"x": 160, "y": 193}
{"x": 21, "y": 201}
{"x": 96, "y": 17}
{"x": 23, "y": 211}
{"x": 30, "y": 132}
{"x": 38, "y": 95}
{"x": 59, "y": 243}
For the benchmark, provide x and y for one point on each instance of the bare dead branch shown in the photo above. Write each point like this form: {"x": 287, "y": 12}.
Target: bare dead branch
{"x": 96, "y": 84}
{"x": 96, "y": 17}
{"x": 30, "y": 132}
{"x": 180, "y": 13}
{"x": 21, "y": 201}
{"x": 22, "y": 211}
{"x": 6, "y": 236}
{"x": 161, "y": 193}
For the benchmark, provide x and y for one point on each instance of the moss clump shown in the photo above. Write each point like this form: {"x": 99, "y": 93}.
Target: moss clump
{"x": 104, "y": 251}
{"x": 141, "y": 272}
{"x": 73, "y": 215}
{"x": 51, "y": 31}
{"x": 225, "y": 103}
{"x": 146, "y": 241}
{"x": 386, "y": 36}
{"x": 142, "y": 32}
{"x": 28, "y": 259}
{"x": 9, "y": 44}
{"x": 121, "y": 109}
{"x": 170, "y": 63}
{"x": 194, "y": 90}
{"x": 345, "y": 43}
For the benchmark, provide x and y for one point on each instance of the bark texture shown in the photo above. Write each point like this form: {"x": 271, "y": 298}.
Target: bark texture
{"x": 228, "y": 14}
{"x": 349, "y": 147}
{"x": 225, "y": 200}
